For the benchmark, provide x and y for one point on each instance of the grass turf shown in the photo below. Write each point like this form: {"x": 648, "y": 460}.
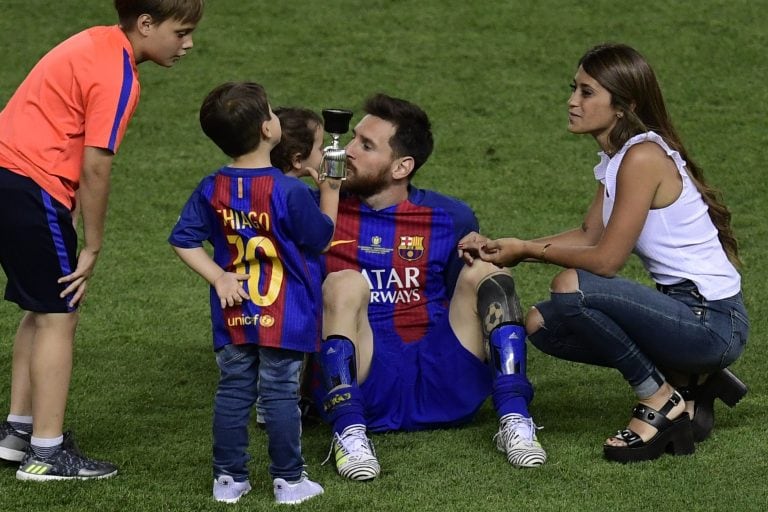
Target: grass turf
{"x": 494, "y": 78}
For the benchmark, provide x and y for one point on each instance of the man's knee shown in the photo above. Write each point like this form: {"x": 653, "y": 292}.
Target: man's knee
{"x": 472, "y": 275}
{"x": 345, "y": 289}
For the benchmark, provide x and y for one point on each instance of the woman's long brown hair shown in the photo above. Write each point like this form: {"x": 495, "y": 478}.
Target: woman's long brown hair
{"x": 635, "y": 90}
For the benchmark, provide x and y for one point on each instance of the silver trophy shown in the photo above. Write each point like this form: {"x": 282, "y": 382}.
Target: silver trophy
{"x": 334, "y": 164}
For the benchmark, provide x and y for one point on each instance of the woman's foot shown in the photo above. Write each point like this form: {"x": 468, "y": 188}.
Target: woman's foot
{"x": 659, "y": 425}
{"x": 644, "y": 430}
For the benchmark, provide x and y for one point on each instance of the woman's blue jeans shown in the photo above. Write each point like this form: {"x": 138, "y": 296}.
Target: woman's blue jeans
{"x": 247, "y": 372}
{"x": 640, "y": 331}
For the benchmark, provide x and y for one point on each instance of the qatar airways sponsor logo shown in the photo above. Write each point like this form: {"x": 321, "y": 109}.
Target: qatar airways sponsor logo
{"x": 390, "y": 286}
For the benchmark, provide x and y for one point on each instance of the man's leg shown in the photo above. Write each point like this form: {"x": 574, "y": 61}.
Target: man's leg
{"x": 487, "y": 317}
{"x": 345, "y": 359}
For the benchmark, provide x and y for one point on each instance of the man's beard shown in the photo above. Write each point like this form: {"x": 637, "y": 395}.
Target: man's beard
{"x": 365, "y": 187}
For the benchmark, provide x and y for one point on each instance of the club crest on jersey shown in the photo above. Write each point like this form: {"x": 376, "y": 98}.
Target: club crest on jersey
{"x": 411, "y": 247}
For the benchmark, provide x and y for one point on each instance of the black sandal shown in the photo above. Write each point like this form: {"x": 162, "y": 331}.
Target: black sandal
{"x": 672, "y": 436}
{"x": 722, "y": 384}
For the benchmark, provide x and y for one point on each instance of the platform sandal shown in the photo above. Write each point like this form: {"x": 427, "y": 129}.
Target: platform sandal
{"x": 722, "y": 384}
{"x": 672, "y": 436}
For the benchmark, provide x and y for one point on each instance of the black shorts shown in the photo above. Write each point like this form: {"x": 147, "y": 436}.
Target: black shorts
{"x": 38, "y": 244}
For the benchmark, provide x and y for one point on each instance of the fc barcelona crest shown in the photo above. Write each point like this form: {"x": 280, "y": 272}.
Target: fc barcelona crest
{"x": 411, "y": 247}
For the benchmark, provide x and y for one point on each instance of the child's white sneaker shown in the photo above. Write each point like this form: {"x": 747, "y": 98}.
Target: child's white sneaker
{"x": 291, "y": 493}
{"x": 226, "y": 490}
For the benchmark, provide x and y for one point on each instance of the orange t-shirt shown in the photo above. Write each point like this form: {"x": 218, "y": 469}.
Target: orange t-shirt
{"x": 81, "y": 93}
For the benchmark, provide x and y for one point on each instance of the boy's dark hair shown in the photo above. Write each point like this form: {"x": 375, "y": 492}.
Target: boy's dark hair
{"x": 186, "y": 11}
{"x": 232, "y": 115}
{"x": 413, "y": 131}
{"x": 298, "y": 126}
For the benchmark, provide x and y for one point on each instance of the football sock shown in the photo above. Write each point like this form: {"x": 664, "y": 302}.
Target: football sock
{"x": 45, "y": 447}
{"x": 21, "y": 423}
{"x": 344, "y": 407}
{"x": 512, "y": 394}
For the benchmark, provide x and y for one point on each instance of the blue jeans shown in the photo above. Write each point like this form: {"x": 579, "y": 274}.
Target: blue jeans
{"x": 640, "y": 331}
{"x": 248, "y": 372}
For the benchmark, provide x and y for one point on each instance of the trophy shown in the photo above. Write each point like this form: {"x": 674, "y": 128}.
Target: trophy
{"x": 334, "y": 164}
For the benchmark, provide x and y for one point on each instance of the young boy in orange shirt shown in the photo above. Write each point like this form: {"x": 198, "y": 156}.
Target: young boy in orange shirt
{"x": 58, "y": 134}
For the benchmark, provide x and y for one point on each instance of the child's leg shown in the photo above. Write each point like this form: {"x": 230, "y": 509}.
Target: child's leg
{"x": 235, "y": 396}
{"x": 50, "y": 369}
{"x": 279, "y": 394}
{"x": 21, "y": 383}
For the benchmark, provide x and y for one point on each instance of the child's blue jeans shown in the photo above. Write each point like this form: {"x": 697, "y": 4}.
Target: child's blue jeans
{"x": 247, "y": 372}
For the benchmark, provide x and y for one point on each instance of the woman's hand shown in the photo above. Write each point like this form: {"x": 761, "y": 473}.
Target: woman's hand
{"x": 504, "y": 252}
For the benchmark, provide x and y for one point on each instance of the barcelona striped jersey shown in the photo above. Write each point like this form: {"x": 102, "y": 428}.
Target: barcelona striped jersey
{"x": 267, "y": 225}
{"x": 408, "y": 255}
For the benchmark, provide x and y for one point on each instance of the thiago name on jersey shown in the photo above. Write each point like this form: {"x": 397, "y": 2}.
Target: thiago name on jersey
{"x": 239, "y": 220}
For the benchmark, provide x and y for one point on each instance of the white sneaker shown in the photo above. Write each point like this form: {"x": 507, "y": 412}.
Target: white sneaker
{"x": 291, "y": 493}
{"x": 226, "y": 490}
{"x": 354, "y": 454}
{"x": 517, "y": 438}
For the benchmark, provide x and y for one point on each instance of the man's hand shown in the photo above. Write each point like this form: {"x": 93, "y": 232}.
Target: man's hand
{"x": 469, "y": 247}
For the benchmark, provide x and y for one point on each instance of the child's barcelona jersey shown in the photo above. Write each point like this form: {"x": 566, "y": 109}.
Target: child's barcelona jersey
{"x": 267, "y": 225}
{"x": 408, "y": 255}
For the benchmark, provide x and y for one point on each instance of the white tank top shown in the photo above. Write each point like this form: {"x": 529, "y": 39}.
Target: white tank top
{"x": 680, "y": 241}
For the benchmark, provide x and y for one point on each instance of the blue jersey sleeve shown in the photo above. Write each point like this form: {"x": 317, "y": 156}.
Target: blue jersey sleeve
{"x": 195, "y": 223}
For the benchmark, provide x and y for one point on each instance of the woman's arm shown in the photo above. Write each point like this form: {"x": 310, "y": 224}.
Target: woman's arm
{"x": 644, "y": 170}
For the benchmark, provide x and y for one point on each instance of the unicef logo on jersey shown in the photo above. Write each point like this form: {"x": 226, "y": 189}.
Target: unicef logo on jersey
{"x": 411, "y": 247}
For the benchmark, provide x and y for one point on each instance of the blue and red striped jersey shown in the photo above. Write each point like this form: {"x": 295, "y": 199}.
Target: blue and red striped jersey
{"x": 408, "y": 255}
{"x": 267, "y": 225}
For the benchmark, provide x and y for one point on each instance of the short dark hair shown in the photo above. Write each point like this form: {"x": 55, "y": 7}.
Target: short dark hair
{"x": 298, "y": 126}
{"x": 186, "y": 11}
{"x": 413, "y": 131}
{"x": 232, "y": 114}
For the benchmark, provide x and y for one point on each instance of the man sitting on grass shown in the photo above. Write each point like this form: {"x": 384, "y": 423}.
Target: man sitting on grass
{"x": 407, "y": 327}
